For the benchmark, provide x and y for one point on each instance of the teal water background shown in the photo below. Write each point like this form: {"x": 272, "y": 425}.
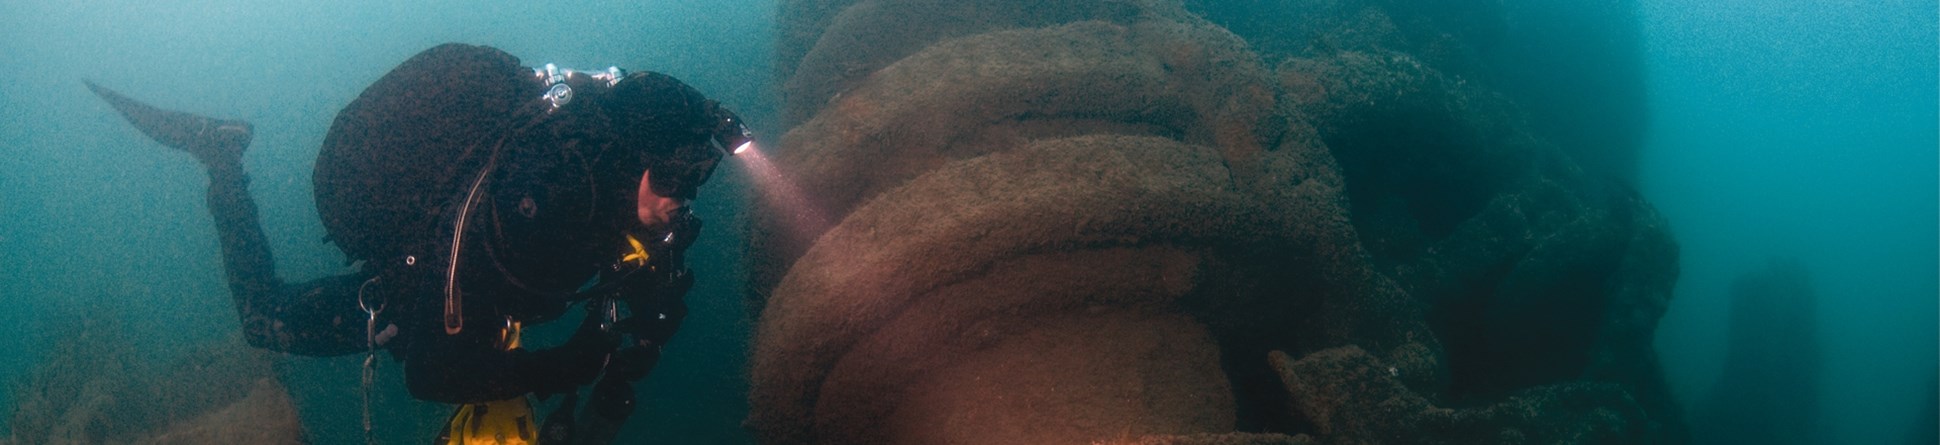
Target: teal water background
{"x": 1801, "y": 128}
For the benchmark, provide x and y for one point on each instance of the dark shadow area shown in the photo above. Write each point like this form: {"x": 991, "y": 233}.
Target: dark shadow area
{"x": 1769, "y": 391}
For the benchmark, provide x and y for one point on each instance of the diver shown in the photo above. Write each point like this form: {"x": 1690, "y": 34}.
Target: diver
{"x": 474, "y": 197}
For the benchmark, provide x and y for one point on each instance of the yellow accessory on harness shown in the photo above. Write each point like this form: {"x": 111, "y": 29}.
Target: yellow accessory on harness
{"x": 508, "y": 338}
{"x": 499, "y": 422}
{"x": 639, "y": 254}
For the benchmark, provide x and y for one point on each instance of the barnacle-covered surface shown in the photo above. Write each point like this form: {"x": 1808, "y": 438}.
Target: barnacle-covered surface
{"x": 1120, "y": 222}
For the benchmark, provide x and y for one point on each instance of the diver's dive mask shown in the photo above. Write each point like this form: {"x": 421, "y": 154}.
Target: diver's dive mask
{"x": 683, "y": 172}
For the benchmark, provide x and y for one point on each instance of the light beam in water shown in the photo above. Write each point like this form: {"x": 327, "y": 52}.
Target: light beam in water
{"x": 802, "y": 217}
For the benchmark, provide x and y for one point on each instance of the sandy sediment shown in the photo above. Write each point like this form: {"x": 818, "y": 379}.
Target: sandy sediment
{"x": 95, "y": 388}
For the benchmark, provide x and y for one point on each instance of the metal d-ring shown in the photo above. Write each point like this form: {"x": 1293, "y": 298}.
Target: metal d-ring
{"x": 364, "y": 305}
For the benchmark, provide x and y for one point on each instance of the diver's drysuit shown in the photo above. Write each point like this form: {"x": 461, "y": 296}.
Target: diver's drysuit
{"x": 478, "y": 196}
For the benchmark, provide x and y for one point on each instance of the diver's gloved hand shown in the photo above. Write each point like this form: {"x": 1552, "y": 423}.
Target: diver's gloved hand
{"x": 583, "y": 355}
{"x": 611, "y": 402}
{"x": 632, "y": 364}
{"x": 558, "y": 427}
{"x": 657, "y": 310}
{"x": 681, "y": 231}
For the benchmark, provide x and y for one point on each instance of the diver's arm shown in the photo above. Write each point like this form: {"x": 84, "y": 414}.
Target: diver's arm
{"x": 472, "y": 366}
{"x": 569, "y": 366}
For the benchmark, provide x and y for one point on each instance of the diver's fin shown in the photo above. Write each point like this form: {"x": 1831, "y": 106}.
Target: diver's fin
{"x": 212, "y": 141}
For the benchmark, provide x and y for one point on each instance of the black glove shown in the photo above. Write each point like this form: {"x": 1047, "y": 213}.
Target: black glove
{"x": 632, "y": 364}
{"x": 611, "y": 402}
{"x": 611, "y": 399}
{"x": 682, "y": 230}
{"x": 575, "y": 363}
{"x": 558, "y": 428}
{"x": 657, "y": 311}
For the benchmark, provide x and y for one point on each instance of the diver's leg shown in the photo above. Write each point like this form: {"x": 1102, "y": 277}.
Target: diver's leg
{"x": 316, "y": 318}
